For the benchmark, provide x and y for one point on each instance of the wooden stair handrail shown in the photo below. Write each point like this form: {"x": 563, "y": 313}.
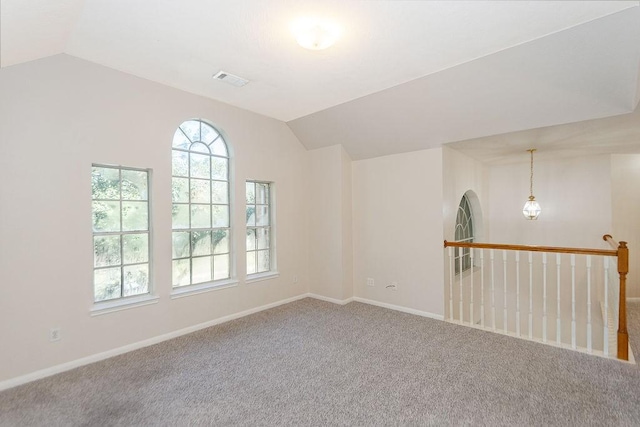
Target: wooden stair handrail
{"x": 532, "y": 248}
{"x": 620, "y": 250}
{"x": 607, "y": 238}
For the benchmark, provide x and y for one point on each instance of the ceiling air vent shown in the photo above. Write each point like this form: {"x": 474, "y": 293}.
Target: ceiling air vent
{"x": 230, "y": 78}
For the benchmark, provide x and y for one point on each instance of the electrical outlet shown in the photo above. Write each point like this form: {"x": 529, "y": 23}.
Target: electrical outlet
{"x": 370, "y": 282}
{"x": 393, "y": 286}
{"x": 54, "y": 334}
{"x": 295, "y": 279}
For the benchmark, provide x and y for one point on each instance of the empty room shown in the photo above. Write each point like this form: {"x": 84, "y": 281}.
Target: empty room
{"x": 319, "y": 212}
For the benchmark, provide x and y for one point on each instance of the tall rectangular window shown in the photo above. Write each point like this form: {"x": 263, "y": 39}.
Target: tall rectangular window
{"x": 200, "y": 214}
{"x": 259, "y": 227}
{"x": 120, "y": 208}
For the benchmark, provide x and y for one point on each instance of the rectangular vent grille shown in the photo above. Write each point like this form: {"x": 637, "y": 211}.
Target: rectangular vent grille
{"x": 230, "y": 78}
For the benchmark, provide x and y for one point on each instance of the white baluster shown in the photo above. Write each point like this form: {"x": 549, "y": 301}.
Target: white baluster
{"x": 482, "y": 287}
{"x": 518, "y": 293}
{"x": 589, "y": 345}
{"x": 530, "y": 295}
{"x": 544, "y": 297}
{"x": 450, "y": 282}
{"x": 460, "y": 256}
{"x": 493, "y": 293}
{"x": 471, "y": 318}
{"x": 504, "y": 302}
{"x": 573, "y": 301}
{"x": 606, "y": 307}
{"x": 558, "y": 313}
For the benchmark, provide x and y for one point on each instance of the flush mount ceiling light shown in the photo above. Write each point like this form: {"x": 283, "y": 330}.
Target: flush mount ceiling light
{"x": 315, "y": 33}
{"x": 531, "y": 208}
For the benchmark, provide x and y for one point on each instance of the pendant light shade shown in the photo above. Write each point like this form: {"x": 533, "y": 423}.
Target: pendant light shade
{"x": 531, "y": 208}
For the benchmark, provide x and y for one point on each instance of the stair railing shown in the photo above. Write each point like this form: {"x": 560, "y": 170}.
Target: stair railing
{"x": 465, "y": 283}
{"x": 622, "y": 252}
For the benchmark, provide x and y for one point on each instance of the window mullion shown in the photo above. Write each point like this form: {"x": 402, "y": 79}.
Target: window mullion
{"x": 121, "y": 239}
{"x": 211, "y": 247}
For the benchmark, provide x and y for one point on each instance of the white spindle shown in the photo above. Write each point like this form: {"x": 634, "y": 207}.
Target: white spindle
{"x": 450, "y": 282}
{"x": 544, "y": 297}
{"x": 558, "y": 313}
{"x": 606, "y": 307}
{"x": 518, "y": 293}
{"x": 482, "y": 287}
{"x": 589, "y": 347}
{"x": 493, "y": 293}
{"x": 504, "y": 291}
{"x": 460, "y": 256}
{"x": 573, "y": 301}
{"x": 530, "y": 295}
{"x": 471, "y": 318}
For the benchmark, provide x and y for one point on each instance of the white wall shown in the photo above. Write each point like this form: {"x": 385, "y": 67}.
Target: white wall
{"x": 397, "y": 229}
{"x": 462, "y": 173}
{"x": 575, "y": 196}
{"x": 58, "y": 116}
{"x": 347, "y": 225}
{"x": 330, "y": 250}
{"x": 625, "y": 178}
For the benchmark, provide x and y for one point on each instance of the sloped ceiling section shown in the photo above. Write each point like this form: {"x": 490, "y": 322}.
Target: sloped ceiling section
{"x": 586, "y": 72}
{"x": 406, "y": 75}
{"x": 385, "y": 43}
{"x": 610, "y": 135}
{"x": 34, "y": 29}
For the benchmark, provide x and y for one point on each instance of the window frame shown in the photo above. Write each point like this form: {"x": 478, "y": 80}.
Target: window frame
{"x": 201, "y": 286}
{"x": 464, "y": 224}
{"x": 122, "y": 302}
{"x": 270, "y": 203}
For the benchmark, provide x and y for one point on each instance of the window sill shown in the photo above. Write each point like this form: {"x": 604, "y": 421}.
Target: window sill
{"x": 187, "y": 291}
{"x": 106, "y": 307}
{"x": 262, "y": 276}
{"x": 467, "y": 272}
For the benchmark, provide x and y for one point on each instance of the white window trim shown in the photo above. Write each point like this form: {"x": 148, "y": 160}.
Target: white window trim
{"x": 468, "y": 272}
{"x": 273, "y": 268}
{"x": 124, "y": 303}
{"x": 112, "y": 306}
{"x": 200, "y": 288}
{"x": 260, "y": 277}
{"x": 197, "y": 288}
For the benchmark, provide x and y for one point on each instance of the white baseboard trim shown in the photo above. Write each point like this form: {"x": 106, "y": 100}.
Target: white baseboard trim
{"x": 327, "y": 299}
{"x": 400, "y": 308}
{"x": 43, "y": 373}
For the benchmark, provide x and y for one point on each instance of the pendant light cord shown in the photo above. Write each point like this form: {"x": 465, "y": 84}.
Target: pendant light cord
{"x": 531, "y": 176}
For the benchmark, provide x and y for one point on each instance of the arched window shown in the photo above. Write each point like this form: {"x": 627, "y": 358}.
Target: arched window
{"x": 464, "y": 233}
{"x": 200, "y": 213}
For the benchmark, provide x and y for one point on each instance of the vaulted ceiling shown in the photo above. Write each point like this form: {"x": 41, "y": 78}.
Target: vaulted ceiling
{"x": 406, "y": 75}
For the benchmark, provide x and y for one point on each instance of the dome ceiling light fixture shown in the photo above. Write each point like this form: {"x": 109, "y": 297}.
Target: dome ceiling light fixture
{"x": 315, "y": 33}
{"x": 531, "y": 208}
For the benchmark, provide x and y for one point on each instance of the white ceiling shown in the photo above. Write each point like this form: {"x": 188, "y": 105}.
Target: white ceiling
{"x": 406, "y": 75}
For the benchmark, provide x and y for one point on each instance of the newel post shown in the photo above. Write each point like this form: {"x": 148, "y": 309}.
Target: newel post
{"x": 623, "y": 269}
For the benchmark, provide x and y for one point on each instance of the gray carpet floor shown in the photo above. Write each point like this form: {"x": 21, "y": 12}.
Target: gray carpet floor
{"x": 315, "y": 363}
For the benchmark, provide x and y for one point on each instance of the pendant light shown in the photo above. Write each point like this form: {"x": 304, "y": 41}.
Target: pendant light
{"x": 531, "y": 208}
